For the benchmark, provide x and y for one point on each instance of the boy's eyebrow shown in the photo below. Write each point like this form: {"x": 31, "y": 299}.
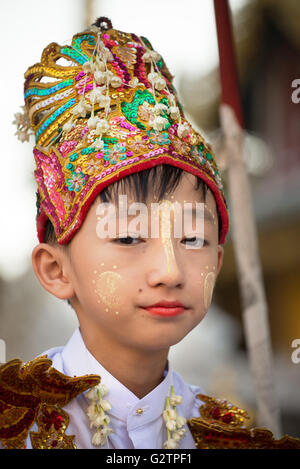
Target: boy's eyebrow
{"x": 207, "y": 214}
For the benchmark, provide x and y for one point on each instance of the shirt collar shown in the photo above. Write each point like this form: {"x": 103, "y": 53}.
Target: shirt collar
{"x": 77, "y": 361}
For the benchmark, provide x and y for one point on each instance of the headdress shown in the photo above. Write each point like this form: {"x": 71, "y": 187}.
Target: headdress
{"x": 103, "y": 108}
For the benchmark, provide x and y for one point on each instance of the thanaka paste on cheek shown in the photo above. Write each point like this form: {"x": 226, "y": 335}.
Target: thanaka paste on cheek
{"x": 209, "y": 284}
{"x": 106, "y": 287}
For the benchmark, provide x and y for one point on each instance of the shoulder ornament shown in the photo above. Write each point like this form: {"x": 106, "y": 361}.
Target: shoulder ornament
{"x": 35, "y": 392}
{"x": 221, "y": 426}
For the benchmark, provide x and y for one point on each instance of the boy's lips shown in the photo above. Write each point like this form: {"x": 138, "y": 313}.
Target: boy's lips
{"x": 166, "y": 308}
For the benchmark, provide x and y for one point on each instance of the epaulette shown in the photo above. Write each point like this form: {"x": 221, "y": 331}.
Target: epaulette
{"x": 222, "y": 426}
{"x": 35, "y": 392}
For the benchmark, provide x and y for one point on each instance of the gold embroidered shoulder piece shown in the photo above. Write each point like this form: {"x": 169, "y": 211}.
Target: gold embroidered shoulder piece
{"x": 220, "y": 427}
{"x": 36, "y": 392}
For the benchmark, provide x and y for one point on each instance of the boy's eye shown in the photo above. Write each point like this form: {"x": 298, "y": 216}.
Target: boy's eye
{"x": 126, "y": 240}
{"x": 200, "y": 242}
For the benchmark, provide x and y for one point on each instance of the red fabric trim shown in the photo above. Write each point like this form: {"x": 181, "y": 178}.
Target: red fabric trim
{"x": 41, "y": 225}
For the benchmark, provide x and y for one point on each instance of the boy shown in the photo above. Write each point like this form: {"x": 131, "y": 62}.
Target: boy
{"x": 110, "y": 130}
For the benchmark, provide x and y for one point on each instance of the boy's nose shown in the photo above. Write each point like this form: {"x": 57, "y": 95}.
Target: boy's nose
{"x": 165, "y": 268}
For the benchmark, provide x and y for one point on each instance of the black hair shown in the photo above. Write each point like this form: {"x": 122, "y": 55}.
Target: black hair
{"x": 161, "y": 179}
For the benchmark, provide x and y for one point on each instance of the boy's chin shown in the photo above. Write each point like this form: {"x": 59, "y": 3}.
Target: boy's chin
{"x": 161, "y": 342}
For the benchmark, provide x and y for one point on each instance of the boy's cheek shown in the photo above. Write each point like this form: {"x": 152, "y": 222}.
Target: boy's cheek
{"x": 107, "y": 287}
{"x": 201, "y": 286}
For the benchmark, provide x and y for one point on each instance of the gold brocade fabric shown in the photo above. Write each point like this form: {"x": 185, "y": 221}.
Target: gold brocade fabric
{"x": 220, "y": 427}
{"x": 52, "y": 424}
{"x": 35, "y": 393}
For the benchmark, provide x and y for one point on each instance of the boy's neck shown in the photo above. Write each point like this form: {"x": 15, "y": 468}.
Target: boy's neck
{"x": 139, "y": 372}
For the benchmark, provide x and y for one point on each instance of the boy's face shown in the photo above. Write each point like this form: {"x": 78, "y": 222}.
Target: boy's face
{"x": 114, "y": 280}
{"x": 111, "y": 280}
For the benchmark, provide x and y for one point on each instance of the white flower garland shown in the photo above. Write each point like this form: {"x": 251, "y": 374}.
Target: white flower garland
{"x": 22, "y": 122}
{"x": 98, "y": 418}
{"x": 96, "y": 413}
{"x": 174, "y": 422}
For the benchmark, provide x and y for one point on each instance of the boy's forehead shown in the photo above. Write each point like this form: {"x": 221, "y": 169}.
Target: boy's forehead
{"x": 185, "y": 190}
{"x": 184, "y": 197}
{"x": 184, "y": 193}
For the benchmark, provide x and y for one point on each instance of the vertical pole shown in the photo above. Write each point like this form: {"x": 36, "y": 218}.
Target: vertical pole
{"x": 88, "y": 12}
{"x": 228, "y": 69}
{"x": 244, "y": 234}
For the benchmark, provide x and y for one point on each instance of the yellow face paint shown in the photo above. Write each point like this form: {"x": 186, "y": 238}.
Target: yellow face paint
{"x": 209, "y": 284}
{"x": 212, "y": 214}
{"x": 107, "y": 286}
{"x": 165, "y": 231}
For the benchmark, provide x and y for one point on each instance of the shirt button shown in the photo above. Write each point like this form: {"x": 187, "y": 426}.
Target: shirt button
{"x": 139, "y": 411}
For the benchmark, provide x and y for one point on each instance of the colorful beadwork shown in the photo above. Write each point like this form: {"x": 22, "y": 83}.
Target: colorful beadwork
{"x": 111, "y": 111}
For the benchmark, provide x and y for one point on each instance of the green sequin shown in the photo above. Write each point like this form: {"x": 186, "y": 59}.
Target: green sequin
{"x": 85, "y": 37}
{"x": 130, "y": 110}
{"x": 76, "y": 56}
{"x": 109, "y": 140}
{"x": 74, "y": 157}
{"x": 147, "y": 42}
{"x": 87, "y": 151}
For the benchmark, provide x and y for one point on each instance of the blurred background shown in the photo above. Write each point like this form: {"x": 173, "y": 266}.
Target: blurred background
{"x": 267, "y": 39}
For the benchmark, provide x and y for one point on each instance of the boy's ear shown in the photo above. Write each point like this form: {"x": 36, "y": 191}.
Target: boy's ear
{"x": 51, "y": 268}
{"x": 220, "y": 259}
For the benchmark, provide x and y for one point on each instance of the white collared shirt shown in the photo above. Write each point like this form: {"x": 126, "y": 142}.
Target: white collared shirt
{"x": 132, "y": 430}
